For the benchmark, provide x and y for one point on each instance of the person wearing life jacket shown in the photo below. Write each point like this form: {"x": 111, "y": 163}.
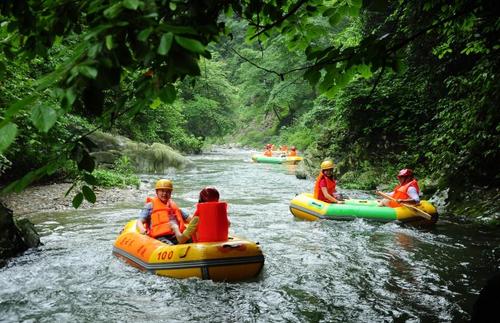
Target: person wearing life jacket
{"x": 407, "y": 191}
{"x": 293, "y": 152}
{"x": 213, "y": 223}
{"x": 325, "y": 188}
{"x": 268, "y": 151}
{"x": 162, "y": 219}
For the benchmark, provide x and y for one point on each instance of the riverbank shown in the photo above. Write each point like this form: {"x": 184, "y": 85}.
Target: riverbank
{"x": 51, "y": 198}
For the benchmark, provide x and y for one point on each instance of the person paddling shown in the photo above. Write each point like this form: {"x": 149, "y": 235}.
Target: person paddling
{"x": 407, "y": 191}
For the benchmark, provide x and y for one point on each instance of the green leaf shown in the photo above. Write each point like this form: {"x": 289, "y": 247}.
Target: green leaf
{"x": 8, "y": 133}
{"x": 87, "y": 71}
{"x": 88, "y": 194}
{"x": 155, "y": 104}
{"x": 43, "y": 117}
{"x": 90, "y": 179}
{"x": 132, "y": 4}
{"x": 96, "y": 31}
{"x": 70, "y": 96}
{"x": 77, "y": 200}
{"x": 190, "y": 44}
{"x": 365, "y": 71}
{"x": 165, "y": 43}
{"x": 172, "y": 6}
{"x": 109, "y": 42}
{"x": 168, "y": 94}
{"x": 113, "y": 11}
{"x": 94, "y": 50}
{"x": 335, "y": 19}
{"x": 144, "y": 34}
{"x": 87, "y": 162}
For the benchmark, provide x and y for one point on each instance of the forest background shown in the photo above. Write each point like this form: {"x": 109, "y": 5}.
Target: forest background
{"x": 374, "y": 85}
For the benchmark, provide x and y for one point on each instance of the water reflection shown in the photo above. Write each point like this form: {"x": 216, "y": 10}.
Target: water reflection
{"x": 325, "y": 271}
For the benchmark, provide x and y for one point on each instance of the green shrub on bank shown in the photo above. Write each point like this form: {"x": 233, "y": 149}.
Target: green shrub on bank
{"x": 122, "y": 175}
{"x": 109, "y": 178}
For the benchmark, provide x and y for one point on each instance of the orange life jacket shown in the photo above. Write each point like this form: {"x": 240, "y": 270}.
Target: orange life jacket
{"x": 268, "y": 153}
{"x": 160, "y": 217}
{"x": 213, "y": 224}
{"x": 292, "y": 153}
{"x": 330, "y": 187}
{"x": 401, "y": 192}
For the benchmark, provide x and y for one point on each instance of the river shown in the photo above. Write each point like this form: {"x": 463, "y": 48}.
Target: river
{"x": 324, "y": 271}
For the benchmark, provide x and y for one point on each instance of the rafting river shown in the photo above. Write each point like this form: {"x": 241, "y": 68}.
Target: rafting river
{"x": 324, "y": 271}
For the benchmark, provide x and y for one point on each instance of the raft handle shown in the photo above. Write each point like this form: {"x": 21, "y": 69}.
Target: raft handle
{"x": 183, "y": 252}
{"x": 232, "y": 246}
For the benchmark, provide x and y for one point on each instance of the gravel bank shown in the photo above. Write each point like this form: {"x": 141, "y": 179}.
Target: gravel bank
{"x": 50, "y": 198}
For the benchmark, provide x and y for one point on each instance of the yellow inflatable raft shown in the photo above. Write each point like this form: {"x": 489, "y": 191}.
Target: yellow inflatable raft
{"x": 232, "y": 260}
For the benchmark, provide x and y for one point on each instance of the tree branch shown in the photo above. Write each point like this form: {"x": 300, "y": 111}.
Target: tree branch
{"x": 279, "y": 21}
{"x": 280, "y": 75}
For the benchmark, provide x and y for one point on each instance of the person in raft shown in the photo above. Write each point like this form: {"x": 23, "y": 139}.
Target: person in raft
{"x": 292, "y": 152}
{"x": 406, "y": 192}
{"x": 213, "y": 224}
{"x": 325, "y": 188}
{"x": 162, "y": 219}
{"x": 268, "y": 151}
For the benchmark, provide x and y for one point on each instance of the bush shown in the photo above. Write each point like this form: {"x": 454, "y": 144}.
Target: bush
{"x": 109, "y": 178}
{"x": 122, "y": 175}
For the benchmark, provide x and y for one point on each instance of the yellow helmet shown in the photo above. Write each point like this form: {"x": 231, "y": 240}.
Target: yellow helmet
{"x": 164, "y": 184}
{"x": 327, "y": 164}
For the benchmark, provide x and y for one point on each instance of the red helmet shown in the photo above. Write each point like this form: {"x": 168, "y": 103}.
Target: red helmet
{"x": 293, "y": 148}
{"x": 209, "y": 194}
{"x": 405, "y": 172}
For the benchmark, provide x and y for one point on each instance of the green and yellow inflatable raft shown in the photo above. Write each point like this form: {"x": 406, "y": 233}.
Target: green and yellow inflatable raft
{"x": 233, "y": 260}
{"x": 259, "y": 158}
{"x": 306, "y": 207}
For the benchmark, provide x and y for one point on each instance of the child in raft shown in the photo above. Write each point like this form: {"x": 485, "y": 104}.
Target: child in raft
{"x": 214, "y": 223}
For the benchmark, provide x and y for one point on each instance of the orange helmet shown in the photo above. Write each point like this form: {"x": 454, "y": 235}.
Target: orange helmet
{"x": 209, "y": 194}
{"x": 405, "y": 172}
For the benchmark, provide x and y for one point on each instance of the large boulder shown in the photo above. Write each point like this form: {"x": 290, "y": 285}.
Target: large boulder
{"x": 15, "y": 236}
{"x": 154, "y": 158}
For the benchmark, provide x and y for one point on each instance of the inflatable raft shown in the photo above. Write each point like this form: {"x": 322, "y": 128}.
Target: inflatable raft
{"x": 232, "y": 260}
{"x": 259, "y": 158}
{"x": 306, "y": 207}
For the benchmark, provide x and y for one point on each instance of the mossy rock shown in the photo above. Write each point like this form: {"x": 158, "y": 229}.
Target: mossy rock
{"x": 15, "y": 238}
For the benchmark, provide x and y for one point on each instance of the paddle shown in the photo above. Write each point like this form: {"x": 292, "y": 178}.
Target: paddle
{"x": 416, "y": 209}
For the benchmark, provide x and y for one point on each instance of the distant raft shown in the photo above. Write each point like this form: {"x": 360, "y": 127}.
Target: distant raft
{"x": 306, "y": 207}
{"x": 259, "y": 158}
{"x": 232, "y": 260}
